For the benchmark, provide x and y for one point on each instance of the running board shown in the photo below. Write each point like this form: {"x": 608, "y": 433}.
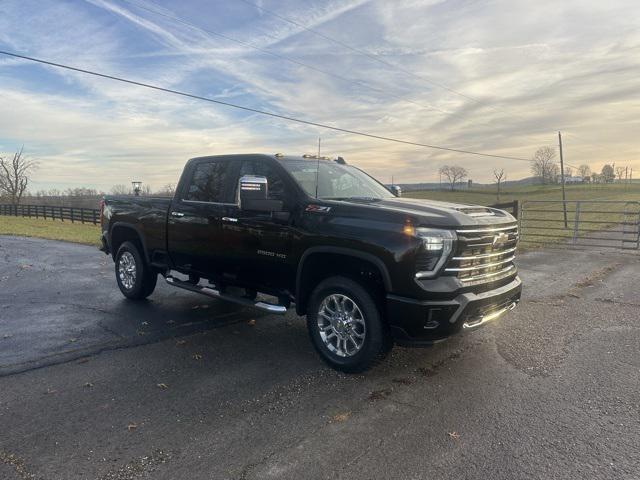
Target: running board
{"x": 212, "y": 292}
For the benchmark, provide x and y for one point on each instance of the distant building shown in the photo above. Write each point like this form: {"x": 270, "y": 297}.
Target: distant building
{"x": 569, "y": 179}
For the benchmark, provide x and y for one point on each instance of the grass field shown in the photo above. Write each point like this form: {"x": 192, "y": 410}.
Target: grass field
{"x": 545, "y": 222}
{"x": 487, "y": 195}
{"x": 598, "y": 222}
{"x": 52, "y": 229}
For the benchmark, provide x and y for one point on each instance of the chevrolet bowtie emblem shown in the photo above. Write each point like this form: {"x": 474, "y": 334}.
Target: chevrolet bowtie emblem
{"x": 500, "y": 239}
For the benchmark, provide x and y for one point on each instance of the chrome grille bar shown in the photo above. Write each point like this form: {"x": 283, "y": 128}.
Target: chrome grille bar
{"x": 481, "y": 266}
{"x": 484, "y": 255}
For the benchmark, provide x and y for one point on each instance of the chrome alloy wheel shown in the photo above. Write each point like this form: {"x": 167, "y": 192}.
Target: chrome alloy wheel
{"x": 127, "y": 270}
{"x": 341, "y": 324}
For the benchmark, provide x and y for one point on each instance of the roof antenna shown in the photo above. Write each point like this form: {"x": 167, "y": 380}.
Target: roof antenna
{"x": 318, "y": 167}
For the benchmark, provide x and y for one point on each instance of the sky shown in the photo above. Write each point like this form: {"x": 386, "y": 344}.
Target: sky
{"x": 494, "y": 76}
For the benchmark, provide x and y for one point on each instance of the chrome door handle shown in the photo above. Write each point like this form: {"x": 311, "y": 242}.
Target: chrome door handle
{"x": 230, "y": 219}
{"x": 177, "y": 214}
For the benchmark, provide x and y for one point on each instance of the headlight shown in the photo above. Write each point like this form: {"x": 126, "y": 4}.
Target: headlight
{"x": 437, "y": 245}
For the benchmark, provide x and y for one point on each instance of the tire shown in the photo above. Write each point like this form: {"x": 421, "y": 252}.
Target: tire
{"x": 136, "y": 280}
{"x": 354, "y": 342}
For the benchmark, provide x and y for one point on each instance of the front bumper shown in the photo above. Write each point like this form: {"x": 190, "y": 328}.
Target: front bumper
{"x": 416, "y": 323}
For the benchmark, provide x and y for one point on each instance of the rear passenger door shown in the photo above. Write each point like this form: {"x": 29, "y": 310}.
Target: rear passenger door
{"x": 194, "y": 231}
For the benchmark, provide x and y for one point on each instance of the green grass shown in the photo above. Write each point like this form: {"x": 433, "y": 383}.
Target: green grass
{"x": 487, "y": 195}
{"x": 87, "y": 234}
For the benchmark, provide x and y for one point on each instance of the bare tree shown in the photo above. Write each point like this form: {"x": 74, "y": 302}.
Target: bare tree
{"x": 146, "y": 190}
{"x": 120, "y": 190}
{"x": 453, "y": 174}
{"x": 620, "y": 172}
{"x": 167, "y": 191}
{"x": 608, "y": 175}
{"x": 568, "y": 172}
{"x": 500, "y": 178}
{"x": 584, "y": 170}
{"x": 544, "y": 165}
{"x": 14, "y": 175}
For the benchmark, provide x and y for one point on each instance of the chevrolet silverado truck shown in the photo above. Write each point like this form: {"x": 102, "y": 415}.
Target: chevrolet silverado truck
{"x": 366, "y": 267}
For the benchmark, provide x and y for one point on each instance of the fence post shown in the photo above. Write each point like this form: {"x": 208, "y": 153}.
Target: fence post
{"x": 576, "y": 222}
{"x": 95, "y": 221}
{"x": 61, "y": 214}
{"x": 515, "y": 209}
{"x": 82, "y": 214}
{"x": 72, "y": 213}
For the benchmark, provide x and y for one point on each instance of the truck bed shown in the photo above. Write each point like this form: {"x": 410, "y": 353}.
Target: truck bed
{"x": 148, "y": 215}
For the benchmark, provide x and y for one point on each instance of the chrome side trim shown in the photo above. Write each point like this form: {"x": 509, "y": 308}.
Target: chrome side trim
{"x": 212, "y": 292}
{"x": 485, "y": 255}
{"x": 480, "y": 267}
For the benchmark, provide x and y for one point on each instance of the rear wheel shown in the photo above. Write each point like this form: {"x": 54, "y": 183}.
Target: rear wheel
{"x": 135, "y": 278}
{"x": 346, "y": 326}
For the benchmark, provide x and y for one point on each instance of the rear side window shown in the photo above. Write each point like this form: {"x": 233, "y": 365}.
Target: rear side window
{"x": 276, "y": 186}
{"x": 210, "y": 183}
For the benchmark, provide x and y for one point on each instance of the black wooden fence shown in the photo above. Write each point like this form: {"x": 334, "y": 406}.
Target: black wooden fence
{"x": 92, "y": 215}
{"x": 511, "y": 207}
{"x": 51, "y": 212}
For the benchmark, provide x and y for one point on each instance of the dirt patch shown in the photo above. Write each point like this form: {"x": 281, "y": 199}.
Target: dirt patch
{"x": 381, "y": 394}
{"x": 139, "y": 467}
{"x": 19, "y": 467}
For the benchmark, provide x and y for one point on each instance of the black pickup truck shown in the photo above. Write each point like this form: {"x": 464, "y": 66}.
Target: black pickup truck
{"x": 366, "y": 267}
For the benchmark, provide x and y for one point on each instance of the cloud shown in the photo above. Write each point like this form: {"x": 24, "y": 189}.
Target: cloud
{"x": 531, "y": 70}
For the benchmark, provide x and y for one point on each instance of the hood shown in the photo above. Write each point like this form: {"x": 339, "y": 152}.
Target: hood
{"x": 437, "y": 213}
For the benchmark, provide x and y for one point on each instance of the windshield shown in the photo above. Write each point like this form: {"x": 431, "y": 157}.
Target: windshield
{"x": 335, "y": 181}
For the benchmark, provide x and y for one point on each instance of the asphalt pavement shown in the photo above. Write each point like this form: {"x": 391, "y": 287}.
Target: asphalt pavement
{"x": 181, "y": 386}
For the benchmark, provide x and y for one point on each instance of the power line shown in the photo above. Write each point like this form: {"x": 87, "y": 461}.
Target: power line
{"x": 371, "y": 56}
{"x": 254, "y": 110}
{"x": 277, "y": 55}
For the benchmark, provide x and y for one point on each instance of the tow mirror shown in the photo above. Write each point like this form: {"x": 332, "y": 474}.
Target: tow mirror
{"x": 254, "y": 191}
{"x": 396, "y": 190}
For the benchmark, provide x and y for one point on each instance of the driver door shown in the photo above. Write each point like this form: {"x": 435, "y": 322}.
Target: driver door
{"x": 260, "y": 243}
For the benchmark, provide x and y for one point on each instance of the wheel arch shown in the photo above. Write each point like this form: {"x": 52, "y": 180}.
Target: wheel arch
{"x": 122, "y": 232}
{"x": 360, "y": 266}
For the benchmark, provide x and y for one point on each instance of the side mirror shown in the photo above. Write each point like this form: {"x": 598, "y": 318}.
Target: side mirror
{"x": 396, "y": 190}
{"x": 253, "y": 195}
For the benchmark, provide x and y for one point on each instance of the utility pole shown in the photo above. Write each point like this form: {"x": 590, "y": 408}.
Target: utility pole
{"x": 564, "y": 195}
{"x": 318, "y": 147}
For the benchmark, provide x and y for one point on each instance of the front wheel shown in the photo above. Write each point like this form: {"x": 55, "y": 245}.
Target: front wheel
{"x": 135, "y": 279}
{"x": 346, "y": 326}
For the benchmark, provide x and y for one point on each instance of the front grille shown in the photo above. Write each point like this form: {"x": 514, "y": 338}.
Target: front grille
{"x": 484, "y": 254}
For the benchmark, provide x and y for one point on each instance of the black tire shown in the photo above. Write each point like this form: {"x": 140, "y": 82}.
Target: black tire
{"x": 144, "y": 278}
{"x": 377, "y": 340}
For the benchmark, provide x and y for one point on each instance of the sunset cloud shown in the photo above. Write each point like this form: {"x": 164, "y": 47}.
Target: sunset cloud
{"x": 523, "y": 71}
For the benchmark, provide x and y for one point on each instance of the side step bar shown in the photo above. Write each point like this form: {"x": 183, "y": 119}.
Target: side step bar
{"x": 212, "y": 292}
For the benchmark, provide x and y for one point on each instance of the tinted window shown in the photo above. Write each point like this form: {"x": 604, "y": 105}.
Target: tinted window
{"x": 210, "y": 183}
{"x": 276, "y": 187}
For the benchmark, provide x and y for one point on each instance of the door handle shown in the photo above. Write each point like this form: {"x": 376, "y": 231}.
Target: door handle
{"x": 177, "y": 214}
{"x": 230, "y": 219}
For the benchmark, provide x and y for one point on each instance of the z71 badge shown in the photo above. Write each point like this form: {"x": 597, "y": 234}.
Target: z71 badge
{"x": 317, "y": 209}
